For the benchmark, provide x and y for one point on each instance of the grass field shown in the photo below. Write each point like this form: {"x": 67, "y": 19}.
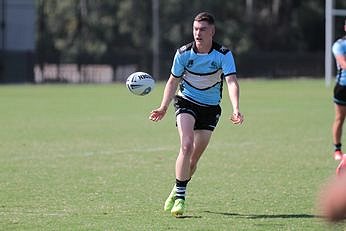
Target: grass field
{"x": 85, "y": 157}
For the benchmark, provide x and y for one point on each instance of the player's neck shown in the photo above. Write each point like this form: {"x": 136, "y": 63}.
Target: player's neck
{"x": 204, "y": 48}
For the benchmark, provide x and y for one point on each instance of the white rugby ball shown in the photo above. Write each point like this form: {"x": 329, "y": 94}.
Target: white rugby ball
{"x": 140, "y": 83}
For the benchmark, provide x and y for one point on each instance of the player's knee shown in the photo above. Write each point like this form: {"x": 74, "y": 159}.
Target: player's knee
{"x": 187, "y": 148}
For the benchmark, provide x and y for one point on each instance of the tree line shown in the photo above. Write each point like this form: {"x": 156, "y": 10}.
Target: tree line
{"x": 120, "y": 32}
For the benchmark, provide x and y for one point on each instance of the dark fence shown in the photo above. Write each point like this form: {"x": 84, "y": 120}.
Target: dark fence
{"x": 18, "y": 67}
{"x": 280, "y": 65}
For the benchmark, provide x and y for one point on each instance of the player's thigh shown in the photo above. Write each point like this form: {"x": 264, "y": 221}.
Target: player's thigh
{"x": 185, "y": 124}
{"x": 340, "y": 111}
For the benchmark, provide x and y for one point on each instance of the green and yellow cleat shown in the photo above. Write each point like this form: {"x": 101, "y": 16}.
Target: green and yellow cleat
{"x": 170, "y": 200}
{"x": 178, "y": 208}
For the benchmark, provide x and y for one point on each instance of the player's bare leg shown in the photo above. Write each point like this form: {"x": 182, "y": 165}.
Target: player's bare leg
{"x": 176, "y": 200}
{"x": 185, "y": 123}
{"x": 201, "y": 141}
{"x": 340, "y": 113}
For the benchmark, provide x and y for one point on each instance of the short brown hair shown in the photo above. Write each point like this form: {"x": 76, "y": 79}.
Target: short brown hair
{"x": 205, "y": 16}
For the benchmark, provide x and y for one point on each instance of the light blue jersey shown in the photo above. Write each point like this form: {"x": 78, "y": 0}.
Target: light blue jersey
{"x": 202, "y": 74}
{"x": 339, "y": 48}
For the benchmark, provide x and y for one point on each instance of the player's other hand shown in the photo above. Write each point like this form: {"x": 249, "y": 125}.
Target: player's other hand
{"x": 157, "y": 114}
{"x": 237, "y": 118}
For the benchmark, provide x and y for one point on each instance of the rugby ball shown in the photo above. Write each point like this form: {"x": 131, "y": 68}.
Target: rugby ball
{"x": 140, "y": 83}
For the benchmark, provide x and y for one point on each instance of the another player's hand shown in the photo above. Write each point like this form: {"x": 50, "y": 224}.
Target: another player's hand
{"x": 157, "y": 114}
{"x": 237, "y": 118}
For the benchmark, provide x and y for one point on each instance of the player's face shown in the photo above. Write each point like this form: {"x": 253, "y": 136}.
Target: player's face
{"x": 203, "y": 32}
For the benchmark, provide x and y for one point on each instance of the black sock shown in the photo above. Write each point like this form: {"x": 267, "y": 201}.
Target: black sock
{"x": 181, "y": 188}
{"x": 337, "y": 147}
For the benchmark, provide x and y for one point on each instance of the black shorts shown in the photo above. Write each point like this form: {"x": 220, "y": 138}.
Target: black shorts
{"x": 206, "y": 117}
{"x": 340, "y": 94}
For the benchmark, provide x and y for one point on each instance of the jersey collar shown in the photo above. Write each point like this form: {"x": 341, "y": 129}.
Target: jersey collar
{"x": 195, "y": 48}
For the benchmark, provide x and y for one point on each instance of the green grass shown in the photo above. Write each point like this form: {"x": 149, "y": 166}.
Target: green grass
{"x": 85, "y": 157}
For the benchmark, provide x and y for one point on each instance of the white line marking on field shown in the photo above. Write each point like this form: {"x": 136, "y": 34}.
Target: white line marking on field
{"x": 141, "y": 149}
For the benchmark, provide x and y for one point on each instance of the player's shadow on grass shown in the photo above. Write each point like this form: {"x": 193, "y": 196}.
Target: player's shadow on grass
{"x": 188, "y": 217}
{"x": 264, "y": 216}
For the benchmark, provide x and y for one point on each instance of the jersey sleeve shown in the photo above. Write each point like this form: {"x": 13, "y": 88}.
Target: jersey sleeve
{"x": 178, "y": 67}
{"x": 338, "y": 49}
{"x": 228, "y": 64}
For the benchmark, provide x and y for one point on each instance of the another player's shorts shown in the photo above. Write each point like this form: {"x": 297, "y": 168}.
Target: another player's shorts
{"x": 340, "y": 94}
{"x": 206, "y": 117}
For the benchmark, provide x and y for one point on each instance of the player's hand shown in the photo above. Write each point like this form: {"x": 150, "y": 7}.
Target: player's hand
{"x": 157, "y": 114}
{"x": 237, "y": 118}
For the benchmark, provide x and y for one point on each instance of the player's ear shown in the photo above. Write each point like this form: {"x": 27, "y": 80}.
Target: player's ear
{"x": 213, "y": 30}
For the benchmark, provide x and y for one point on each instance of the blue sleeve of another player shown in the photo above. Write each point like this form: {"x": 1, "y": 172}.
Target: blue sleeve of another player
{"x": 228, "y": 64}
{"x": 178, "y": 67}
{"x": 338, "y": 49}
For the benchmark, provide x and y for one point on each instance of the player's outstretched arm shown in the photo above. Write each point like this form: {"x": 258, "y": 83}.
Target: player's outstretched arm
{"x": 168, "y": 94}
